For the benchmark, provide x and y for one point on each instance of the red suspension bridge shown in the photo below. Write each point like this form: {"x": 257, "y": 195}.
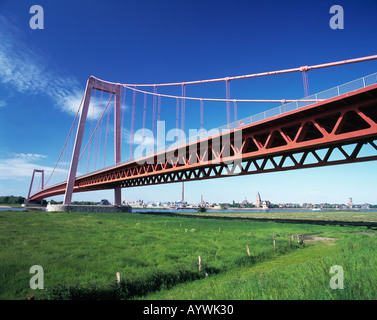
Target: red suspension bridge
{"x": 336, "y": 126}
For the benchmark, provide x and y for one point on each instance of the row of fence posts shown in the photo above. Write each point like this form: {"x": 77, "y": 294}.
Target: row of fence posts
{"x": 299, "y": 237}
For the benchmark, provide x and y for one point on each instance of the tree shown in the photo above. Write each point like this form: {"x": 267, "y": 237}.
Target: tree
{"x": 12, "y": 200}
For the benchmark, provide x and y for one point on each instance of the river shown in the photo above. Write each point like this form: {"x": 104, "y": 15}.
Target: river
{"x": 223, "y": 211}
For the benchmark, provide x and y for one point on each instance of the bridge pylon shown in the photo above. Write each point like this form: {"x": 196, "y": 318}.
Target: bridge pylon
{"x": 115, "y": 89}
{"x": 31, "y": 184}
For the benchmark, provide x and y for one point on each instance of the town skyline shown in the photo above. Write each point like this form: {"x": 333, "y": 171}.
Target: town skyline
{"x": 258, "y": 203}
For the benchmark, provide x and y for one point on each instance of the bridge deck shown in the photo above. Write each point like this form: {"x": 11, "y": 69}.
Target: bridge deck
{"x": 264, "y": 146}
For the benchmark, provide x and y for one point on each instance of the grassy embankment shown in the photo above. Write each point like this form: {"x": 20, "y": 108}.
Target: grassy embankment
{"x": 157, "y": 257}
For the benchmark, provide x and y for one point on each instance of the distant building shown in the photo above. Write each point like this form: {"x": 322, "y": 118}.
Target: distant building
{"x": 258, "y": 202}
{"x": 245, "y": 202}
{"x": 365, "y": 206}
{"x": 350, "y": 203}
{"x": 265, "y": 204}
{"x": 104, "y": 202}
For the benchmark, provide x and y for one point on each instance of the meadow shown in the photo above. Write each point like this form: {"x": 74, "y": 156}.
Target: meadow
{"x": 157, "y": 257}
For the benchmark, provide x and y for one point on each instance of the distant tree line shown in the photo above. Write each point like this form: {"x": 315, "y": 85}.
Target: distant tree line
{"x": 11, "y": 200}
{"x": 236, "y": 205}
{"x": 21, "y": 200}
{"x": 86, "y": 203}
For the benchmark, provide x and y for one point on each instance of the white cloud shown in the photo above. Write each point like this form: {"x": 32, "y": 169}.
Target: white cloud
{"x": 24, "y": 70}
{"x": 71, "y": 102}
{"x": 2, "y": 103}
{"x": 28, "y": 156}
{"x": 21, "y": 165}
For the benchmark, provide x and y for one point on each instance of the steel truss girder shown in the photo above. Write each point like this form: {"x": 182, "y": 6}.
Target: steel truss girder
{"x": 269, "y": 163}
{"x": 310, "y": 134}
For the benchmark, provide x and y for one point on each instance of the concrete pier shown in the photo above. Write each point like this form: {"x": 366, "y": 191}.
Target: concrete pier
{"x": 86, "y": 208}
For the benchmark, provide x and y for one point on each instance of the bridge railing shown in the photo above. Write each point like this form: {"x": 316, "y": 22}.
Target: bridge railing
{"x": 285, "y": 107}
{"x": 324, "y": 95}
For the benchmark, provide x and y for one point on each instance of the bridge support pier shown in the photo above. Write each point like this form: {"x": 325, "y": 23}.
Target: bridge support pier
{"x": 87, "y": 208}
{"x": 117, "y": 197}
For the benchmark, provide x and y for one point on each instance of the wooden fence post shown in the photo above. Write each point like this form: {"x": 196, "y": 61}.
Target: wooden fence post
{"x": 248, "y": 251}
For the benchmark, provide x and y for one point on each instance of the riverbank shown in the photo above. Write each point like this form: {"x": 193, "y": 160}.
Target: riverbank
{"x": 357, "y": 218}
{"x": 10, "y": 206}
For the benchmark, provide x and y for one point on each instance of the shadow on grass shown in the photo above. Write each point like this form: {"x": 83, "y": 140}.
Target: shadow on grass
{"x": 151, "y": 280}
{"x": 147, "y": 282}
{"x": 369, "y": 225}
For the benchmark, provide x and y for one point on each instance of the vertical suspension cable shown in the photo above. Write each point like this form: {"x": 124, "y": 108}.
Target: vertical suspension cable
{"x": 183, "y": 110}
{"x": 123, "y": 104}
{"x": 107, "y": 131}
{"x": 158, "y": 119}
{"x": 95, "y": 147}
{"x": 39, "y": 185}
{"x": 144, "y": 116}
{"x": 235, "y": 110}
{"x": 91, "y": 123}
{"x": 227, "y": 89}
{"x": 305, "y": 79}
{"x": 99, "y": 142}
{"x": 101, "y": 117}
{"x": 90, "y": 132}
{"x": 177, "y": 120}
{"x": 305, "y": 84}
{"x": 201, "y": 114}
{"x": 133, "y": 124}
{"x": 88, "y": 152}
{"x": 154, "y": 112}
{"x": 159, "y": 108}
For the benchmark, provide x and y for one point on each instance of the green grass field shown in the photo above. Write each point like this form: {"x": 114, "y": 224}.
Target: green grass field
{"x": 157, "y": 257}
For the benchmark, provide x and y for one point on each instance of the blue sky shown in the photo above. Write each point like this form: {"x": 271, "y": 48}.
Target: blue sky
{"x": 43, "y": 75}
